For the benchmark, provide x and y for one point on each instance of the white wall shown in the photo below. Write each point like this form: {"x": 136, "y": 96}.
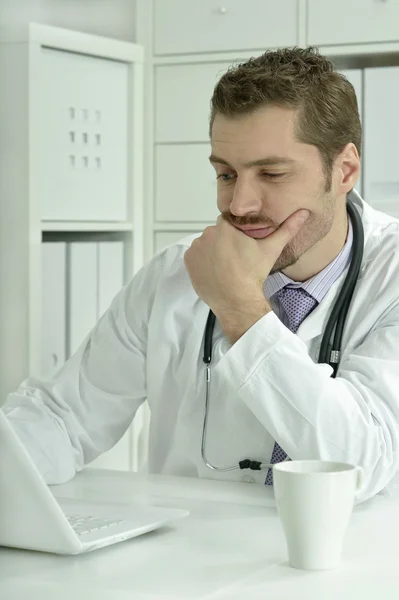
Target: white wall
{"x": 110, "y": 18}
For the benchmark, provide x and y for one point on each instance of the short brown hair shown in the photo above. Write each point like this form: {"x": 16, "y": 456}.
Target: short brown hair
{"x": 299, "y": 78}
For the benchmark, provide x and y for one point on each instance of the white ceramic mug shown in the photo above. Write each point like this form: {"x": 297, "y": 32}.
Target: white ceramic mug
{"x": 315, "y": 500}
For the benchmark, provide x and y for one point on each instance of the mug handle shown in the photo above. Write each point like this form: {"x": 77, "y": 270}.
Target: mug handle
{"x": 360, "y": 478}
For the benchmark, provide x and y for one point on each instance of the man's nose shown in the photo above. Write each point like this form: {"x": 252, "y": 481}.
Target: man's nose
{"x": 246, "y": 198}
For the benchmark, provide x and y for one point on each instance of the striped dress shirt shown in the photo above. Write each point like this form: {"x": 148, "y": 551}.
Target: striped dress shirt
{"x": 316, "y": 286}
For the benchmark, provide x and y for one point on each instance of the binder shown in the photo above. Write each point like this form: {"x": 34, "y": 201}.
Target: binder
{"x": 110, "y": 273}
{"x": 80, "y": 280}
{"x": 82, "y": 292}
{"x": 53, "y": 307}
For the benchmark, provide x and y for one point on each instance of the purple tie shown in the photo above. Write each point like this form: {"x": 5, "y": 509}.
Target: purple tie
{"x": 297, "y": 304}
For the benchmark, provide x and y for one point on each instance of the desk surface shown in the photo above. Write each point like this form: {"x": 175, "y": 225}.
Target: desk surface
{"x": 230, "y": 547}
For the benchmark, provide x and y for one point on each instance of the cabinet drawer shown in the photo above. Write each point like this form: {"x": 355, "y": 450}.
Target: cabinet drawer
{"x": 185, "y": 185}
{"x": 381, "y": 176}
{"x": 53, "y": 307}
{"x": 352, "y": 21}
{"x": 182, "y": 101}
{"x": 183, "y": 94}
{"x": 227, "y": 25}
{"x": 81, "y": 155}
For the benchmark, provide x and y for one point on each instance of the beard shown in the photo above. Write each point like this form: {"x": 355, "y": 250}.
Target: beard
{"x": 314, "y": 230}
{"x": 317, "y": 226}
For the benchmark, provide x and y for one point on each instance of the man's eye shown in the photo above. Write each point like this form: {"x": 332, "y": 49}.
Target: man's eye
{"x": 225, "y": 176}
{"x": 273, "y": 175}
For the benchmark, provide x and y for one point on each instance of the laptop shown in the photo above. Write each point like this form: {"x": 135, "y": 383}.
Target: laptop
{"x": 33, "y": 519}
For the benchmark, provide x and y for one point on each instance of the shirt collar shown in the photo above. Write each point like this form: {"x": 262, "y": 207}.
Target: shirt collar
{"x": 318, "y": 285}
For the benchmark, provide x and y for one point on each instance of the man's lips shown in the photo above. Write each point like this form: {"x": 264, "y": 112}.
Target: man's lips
{"x": 254, "y": 231}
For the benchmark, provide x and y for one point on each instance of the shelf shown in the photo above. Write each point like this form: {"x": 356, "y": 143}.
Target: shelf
{"x": 85, "y": 226}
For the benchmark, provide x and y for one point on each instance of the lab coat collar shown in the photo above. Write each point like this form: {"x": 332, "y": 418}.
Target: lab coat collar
{"x": 315, "y": 323}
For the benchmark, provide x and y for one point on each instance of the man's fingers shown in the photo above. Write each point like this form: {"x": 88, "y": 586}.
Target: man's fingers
{"x": 291, "y": 226}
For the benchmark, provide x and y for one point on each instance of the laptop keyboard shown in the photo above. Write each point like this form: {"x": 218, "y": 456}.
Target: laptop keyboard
{"x": 82, "y": 524}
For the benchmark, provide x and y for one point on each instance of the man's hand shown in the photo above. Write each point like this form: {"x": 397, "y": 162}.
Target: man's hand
{"x": 228, "y": 268}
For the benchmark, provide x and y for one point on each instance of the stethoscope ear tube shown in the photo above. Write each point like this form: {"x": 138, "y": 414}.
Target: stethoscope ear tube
{"x": 340, "y": 310}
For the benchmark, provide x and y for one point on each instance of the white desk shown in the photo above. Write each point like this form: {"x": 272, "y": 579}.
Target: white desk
{"x": 230, "y": 547}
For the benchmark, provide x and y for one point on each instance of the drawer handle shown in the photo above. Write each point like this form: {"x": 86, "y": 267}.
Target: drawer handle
{"x": 222, "y": 10}
{"x": 55, "y": 359}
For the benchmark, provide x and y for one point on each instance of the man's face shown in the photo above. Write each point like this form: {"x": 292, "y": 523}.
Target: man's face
{"x": 264, "y": 175}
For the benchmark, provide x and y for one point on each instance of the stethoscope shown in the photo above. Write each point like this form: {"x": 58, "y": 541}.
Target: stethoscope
{"x": 330, "y": 348}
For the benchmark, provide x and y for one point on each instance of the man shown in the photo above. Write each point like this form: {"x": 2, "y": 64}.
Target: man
{"x": 286, "y": 140}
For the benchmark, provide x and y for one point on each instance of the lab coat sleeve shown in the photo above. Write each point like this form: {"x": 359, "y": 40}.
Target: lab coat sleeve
{"x": 85, "y": 409}
{"x": 353, "y": 418}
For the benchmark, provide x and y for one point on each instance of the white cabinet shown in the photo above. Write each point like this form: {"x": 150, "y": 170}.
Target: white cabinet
{"x": 352, "y": 21}
{"x": 185, "y": 184}
{"x": 53, "y": 329}
{"x": 82, "y": 149}
{"x": 182, "y": 100}
{"x": 71, "y": 114}
{"x": 381, "y": 183}
{"x": 181, "y": 26}
{"x": 166, "y": 238}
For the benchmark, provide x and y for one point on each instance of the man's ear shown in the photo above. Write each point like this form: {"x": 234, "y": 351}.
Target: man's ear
{"x": 348, "y": 164}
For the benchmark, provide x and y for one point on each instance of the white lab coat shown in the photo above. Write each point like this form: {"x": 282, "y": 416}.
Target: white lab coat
{"x": 265, "y": 387}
